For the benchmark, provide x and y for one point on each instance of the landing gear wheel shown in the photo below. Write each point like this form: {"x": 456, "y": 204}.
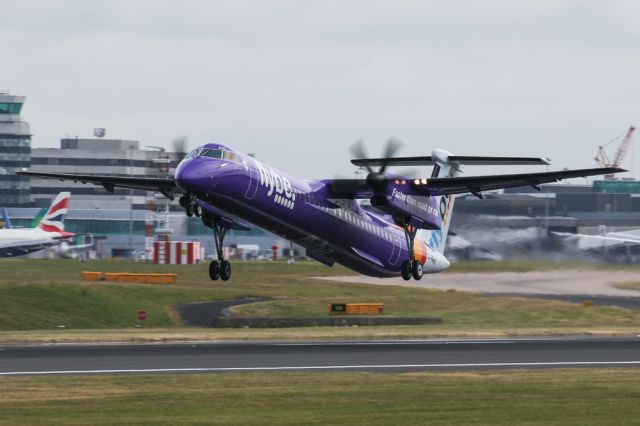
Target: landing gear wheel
{"x": 225, "y": 270}
{"x": 416, "y": 270}
{"x": 405, "y": 270}
{"x": 189, "y": 211}
{"x": 197, "y": 210}
{"x": 214, "y": 270}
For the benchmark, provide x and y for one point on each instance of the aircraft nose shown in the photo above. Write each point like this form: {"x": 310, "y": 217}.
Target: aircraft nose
{"x": 190, "y": 177}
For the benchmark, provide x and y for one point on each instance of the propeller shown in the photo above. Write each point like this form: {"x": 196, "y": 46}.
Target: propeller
{"x": 376, "y": 179}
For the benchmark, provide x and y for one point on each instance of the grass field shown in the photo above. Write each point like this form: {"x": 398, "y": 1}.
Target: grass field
{"x": 554, "y": 397}
{"x": 44, "y": 294}
{"x": 629, "y": 285}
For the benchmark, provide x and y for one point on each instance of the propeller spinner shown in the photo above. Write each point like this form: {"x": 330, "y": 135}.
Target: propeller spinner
{"x": 376, "y": 179}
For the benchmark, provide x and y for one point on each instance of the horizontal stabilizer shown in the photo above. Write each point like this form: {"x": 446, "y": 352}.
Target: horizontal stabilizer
{"x": 462, "y": 159}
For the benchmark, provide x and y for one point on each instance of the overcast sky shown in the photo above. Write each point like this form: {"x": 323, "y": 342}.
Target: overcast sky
{"x": 296, "y": 82}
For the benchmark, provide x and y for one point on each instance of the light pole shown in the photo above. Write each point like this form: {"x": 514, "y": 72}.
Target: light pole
{"x": 130, "y": 206}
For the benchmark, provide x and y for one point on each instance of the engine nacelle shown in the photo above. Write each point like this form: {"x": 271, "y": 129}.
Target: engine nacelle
{"x": 418, "y": 211}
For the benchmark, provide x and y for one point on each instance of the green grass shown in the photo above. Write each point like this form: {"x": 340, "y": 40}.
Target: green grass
{"x": 42, "y": 294}
{"x": 553, "y": 397}
{"x": 629, "y": 285}
{"x": 466, "y": 310}
{"x": 25, "y": 307}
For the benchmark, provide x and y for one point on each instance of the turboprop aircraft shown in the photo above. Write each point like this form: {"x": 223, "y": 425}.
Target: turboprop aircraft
{"x": 402, "y": 232}
{"x": 48, "y": 232}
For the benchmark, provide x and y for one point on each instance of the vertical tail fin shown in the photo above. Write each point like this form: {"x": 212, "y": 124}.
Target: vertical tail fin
{"x": 36, "y": 220}
{"x": 53, "y": 220}
{"x": 443, "y": 168}
{"x": 6, "y": 221}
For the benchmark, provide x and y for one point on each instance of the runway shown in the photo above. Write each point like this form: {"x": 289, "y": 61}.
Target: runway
{"x": 399, "y": 356}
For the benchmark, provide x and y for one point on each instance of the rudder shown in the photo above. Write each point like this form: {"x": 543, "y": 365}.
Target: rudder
{"x": 53, "y": 220}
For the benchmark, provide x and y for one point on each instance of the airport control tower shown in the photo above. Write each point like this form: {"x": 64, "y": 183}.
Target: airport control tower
{"x": 15, "y": 152}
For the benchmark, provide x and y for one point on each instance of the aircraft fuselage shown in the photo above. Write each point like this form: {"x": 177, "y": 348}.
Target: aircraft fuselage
{"x": 301, "y": 211}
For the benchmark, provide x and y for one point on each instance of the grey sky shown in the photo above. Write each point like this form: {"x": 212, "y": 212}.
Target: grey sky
{"x": 298, "y": 81}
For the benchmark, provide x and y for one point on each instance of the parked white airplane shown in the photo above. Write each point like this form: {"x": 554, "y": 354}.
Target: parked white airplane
{"x": 49, "y": 232}
{"x": 605, "y": 239}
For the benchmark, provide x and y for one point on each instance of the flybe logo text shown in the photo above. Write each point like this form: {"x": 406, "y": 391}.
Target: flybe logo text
{"x": 277, "y": 184}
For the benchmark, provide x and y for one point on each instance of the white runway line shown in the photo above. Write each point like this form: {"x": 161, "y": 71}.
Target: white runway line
{"x": 323, "y": 367}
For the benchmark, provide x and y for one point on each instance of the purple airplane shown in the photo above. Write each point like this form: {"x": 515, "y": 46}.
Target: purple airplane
{"x": 401, "y": 230}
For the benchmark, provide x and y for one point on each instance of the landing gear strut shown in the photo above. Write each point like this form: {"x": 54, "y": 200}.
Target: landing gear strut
{"x": 410, "y": 268}
{"x": 219, "y": 268}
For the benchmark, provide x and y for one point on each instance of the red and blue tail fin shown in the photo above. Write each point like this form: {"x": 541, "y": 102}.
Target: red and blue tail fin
{"x": 53, "y": 220}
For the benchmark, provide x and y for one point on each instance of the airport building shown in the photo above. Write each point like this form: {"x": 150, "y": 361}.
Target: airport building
{"x": 98, "y": 156}
{"x": 519, "y": 222}
{"x": 15, "y": 151}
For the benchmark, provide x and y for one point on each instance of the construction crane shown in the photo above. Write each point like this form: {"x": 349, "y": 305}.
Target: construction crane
{"x": 603, "y": 159}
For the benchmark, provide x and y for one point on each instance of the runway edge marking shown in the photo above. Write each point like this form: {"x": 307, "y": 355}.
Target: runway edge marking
{"x": 322, "y": 367}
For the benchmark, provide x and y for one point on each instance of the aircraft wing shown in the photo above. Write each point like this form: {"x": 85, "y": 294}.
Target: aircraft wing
{"x": 166, "y": 186}
{"x": 613, "y": 238}
{"x": 358, "y": 188}
{"x": 477, "y": 184}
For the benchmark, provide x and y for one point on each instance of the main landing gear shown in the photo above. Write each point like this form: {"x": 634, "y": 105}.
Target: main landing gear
{"x": 190, "y": 205}
{"x": 219, "y": 268}
{"x": 410, "y": 268}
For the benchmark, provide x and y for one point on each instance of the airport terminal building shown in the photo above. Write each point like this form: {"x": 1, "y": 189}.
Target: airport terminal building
{"x": 15, "y": 151}
{"x": 97, "y": 155}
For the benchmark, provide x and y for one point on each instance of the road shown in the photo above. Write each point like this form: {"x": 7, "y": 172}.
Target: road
{"x": 411, "y": 355}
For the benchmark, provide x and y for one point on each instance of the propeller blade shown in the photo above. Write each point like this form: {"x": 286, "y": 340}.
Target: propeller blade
{"x": 358, "y": 151}
{"x": 393, "y": 146}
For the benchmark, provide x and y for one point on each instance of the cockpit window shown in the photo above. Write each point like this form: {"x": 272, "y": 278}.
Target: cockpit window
{"x": 211, "y": 153}
{"x": 191, "y": 154}
{"x": 231, "y": 156}
{"x": 220, "y": 155}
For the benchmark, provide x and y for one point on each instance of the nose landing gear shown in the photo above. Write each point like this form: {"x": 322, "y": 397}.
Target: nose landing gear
{"x": 190, "y": 205}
